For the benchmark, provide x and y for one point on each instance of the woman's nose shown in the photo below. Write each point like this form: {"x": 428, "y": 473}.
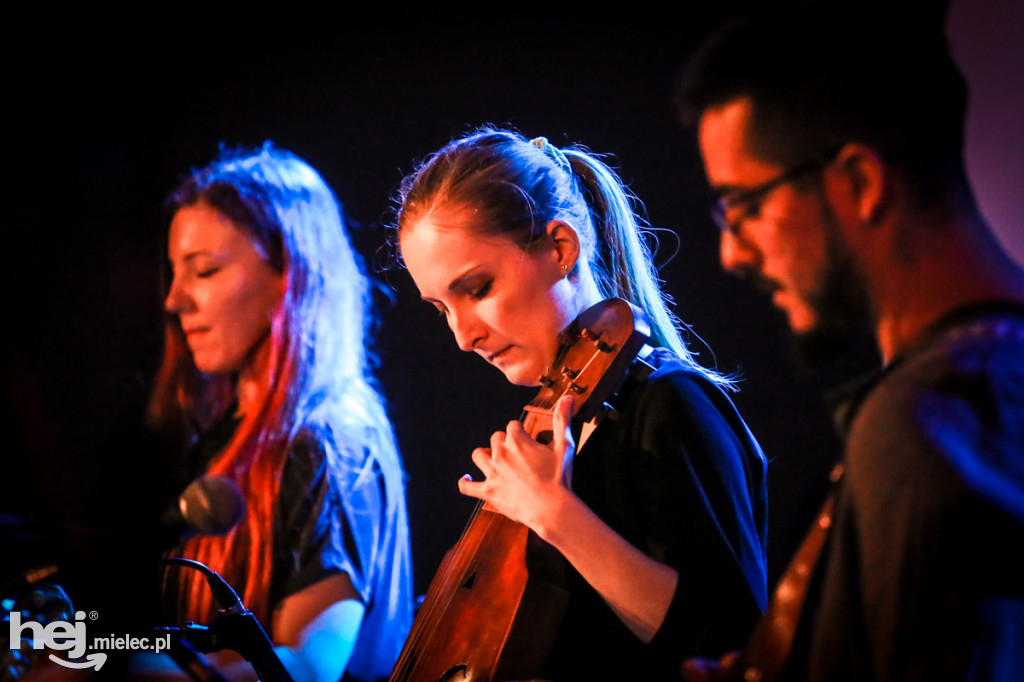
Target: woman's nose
{"x": 467, "y": 330}
{"x": 177, "y": 300}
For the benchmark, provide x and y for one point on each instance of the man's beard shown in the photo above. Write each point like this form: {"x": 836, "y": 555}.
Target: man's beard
{"x": 840, "y": 305}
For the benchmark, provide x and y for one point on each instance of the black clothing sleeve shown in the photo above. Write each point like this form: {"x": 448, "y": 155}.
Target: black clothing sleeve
{"x": 680, "y": 477}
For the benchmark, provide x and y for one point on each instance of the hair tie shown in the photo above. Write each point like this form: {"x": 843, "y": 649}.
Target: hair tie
{"x": 541, "y": 143}
{"x": 553, "y": 153}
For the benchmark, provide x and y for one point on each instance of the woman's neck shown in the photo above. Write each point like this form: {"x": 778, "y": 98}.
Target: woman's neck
{"x": 254, "y": 379}
{"x": 587, "y": 293}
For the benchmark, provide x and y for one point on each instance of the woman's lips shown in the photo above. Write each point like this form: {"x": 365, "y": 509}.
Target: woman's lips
{"x": 499, "y": 354}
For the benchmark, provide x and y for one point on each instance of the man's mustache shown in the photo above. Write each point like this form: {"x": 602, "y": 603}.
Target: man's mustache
{"x": 758, "y": 279}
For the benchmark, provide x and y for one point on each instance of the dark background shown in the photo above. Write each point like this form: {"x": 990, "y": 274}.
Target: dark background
{"x": 103, "y": 120}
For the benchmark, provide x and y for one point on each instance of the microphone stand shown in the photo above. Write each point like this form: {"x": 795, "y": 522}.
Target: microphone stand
{"x": 188, "y": 658}
{"x": 235, "y": 628}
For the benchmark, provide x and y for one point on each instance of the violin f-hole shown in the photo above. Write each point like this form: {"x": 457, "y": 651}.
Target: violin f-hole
{"x": 451, "y": 672}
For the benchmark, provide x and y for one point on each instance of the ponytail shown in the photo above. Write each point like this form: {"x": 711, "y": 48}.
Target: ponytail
{"x": 622, "y": 264}
{"x": 516, "y": 186}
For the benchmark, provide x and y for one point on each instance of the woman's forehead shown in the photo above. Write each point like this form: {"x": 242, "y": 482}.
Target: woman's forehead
{"x": 201, "y": 228}
{"x": 438, "y": 252}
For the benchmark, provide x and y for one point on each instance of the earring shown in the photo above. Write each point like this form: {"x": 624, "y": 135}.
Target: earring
{"x": 565, "y": 269}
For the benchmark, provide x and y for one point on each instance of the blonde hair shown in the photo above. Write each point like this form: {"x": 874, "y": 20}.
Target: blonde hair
{"x": 517, "y": 186}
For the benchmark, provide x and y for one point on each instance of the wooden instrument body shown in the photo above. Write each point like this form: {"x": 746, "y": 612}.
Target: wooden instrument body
{"x": 494, "y": 607}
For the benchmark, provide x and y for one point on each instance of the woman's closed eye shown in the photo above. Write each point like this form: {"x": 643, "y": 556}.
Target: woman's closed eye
{"x": 482, "y": 290}
{"x": 208, "y": 272}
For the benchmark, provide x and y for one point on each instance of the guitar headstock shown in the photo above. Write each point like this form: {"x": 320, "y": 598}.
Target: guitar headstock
{"x": 593, "y": 357}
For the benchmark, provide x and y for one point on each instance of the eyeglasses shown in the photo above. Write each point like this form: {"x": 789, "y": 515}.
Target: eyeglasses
{"x": 748, "y": 201}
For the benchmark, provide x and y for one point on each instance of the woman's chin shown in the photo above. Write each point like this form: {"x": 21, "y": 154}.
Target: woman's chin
{"x": 521, "y": 376}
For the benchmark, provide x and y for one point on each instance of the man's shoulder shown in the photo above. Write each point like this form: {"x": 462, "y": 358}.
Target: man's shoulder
{"x": 955, "y": 406}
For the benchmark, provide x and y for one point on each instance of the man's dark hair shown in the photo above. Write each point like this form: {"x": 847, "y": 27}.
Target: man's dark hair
{"x": 823, "y": 74}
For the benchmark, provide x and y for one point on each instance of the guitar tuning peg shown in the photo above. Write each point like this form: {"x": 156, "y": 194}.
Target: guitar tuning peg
{"x": 547, "y": 382}
{"x": 570, "y": 372}
{"x": 595, "y": 337}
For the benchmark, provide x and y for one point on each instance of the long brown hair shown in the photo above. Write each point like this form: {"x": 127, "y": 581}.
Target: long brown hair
{"x": 317, "y": 385}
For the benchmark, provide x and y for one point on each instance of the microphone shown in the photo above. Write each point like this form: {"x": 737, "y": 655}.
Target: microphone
{"x": 235, "y": 627}
{"x": 210, "y": 505}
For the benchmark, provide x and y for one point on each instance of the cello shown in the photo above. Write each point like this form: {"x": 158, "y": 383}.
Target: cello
{"x": 495, "y": 604}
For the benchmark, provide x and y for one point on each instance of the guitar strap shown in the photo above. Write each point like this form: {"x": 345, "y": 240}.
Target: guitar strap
{"x": 772, "y": 639}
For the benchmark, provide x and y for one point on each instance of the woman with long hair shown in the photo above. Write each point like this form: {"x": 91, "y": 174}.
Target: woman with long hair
{"x": 661, "y": 519}
{"x": 265, "y": 381}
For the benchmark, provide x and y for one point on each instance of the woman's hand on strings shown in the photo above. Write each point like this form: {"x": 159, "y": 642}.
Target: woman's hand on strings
{"x": 523, "y": 479}
{"x": 526, "y": 481}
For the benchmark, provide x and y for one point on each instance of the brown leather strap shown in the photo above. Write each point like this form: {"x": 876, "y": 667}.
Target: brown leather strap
{"x": 772, "y": 639}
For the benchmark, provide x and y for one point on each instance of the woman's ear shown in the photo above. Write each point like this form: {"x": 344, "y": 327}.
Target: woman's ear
{"x": 566, "y": 242}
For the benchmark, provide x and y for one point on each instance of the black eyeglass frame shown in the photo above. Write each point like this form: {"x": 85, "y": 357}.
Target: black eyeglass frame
{"x": 755, "y": 195}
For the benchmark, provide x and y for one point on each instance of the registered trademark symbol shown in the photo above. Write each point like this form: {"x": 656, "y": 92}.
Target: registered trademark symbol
{"x": 93, "y": 615}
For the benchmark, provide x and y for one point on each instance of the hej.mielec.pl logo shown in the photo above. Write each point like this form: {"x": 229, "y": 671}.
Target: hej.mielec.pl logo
{"x": 71, "y": 637}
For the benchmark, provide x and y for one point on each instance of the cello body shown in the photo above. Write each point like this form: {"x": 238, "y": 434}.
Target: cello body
{"x": 495, "y": 604}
